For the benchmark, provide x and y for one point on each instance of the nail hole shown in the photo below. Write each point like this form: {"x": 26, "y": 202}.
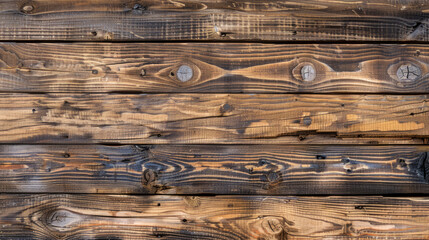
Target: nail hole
{"x": 159, "y": 135}
{"x": 349, "y": 170}
{"x": 358, "y": 207}
{"x": 320, "y": 156}
{"x": 294, "y": 33}
{"x": 342, "y": 104}
{"x": 172, "y": 74}
{"x": 66, "y": 155}
{"x": 34, "y": 110}
{"x": 94, "y": 71}
{"x": 159, "y": 204}
{"x": 184, "y": 220}
{"x": 94, "y": 33}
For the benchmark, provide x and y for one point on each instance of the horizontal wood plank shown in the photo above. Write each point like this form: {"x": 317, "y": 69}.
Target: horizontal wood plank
{"x": 216, "y": 67}
{"x": 214, "y": 169}
{"x": 204, "y": 217}
{"x": 213, "y": 118}
{"x": 303, "y": 20}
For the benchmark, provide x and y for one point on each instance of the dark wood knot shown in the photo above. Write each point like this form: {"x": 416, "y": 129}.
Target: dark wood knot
{"x": 423, "y": 167}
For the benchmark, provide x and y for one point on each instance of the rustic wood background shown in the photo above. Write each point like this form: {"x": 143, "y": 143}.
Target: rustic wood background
{"x": 102, "y": 136}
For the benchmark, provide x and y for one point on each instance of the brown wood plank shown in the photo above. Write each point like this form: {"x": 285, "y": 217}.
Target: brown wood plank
{"x": 303, "y": 20}
{"x": 216, "y": 67}
{"x": 204, "y": 217}
{"x": 213, "y": 118}
{"x": 214, "y": 169}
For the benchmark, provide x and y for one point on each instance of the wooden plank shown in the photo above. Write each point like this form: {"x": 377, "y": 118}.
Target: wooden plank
{"x": 216, "y": 67}
{"x": 213, "y": 118}
{"x": 303, "y": 20}
{"x": 204, "y": 217}
{"x": 214, "y": 169}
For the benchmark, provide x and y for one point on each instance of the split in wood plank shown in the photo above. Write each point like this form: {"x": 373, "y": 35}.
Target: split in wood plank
{"x": 213, "y": 118}
{"x": 82, "y": 216}
{"x": 299, "y": 20}
{"x": 214, "y": 169}
{"x": 213, "y": 67}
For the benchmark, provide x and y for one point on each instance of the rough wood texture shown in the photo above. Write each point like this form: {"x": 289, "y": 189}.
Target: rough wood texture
{"x": 113, "y": 20}
{"x": 217, "y": 67}
{"x": 220, "y": 217}
{"x": 214, "y": 169}
{"x": 213, "y": 118}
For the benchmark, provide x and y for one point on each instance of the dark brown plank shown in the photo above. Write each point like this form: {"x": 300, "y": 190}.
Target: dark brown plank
{"x": 303, "y": 20}
{"x": 214, "y": 169}
{"x": 216, "y": 67}
{"x": 213, "y": 118}
{"x": 221, "y": 217}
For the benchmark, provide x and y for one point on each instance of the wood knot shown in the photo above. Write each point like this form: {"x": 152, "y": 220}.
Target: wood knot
{"x": 423, "y": 167}
{"x": 184, "y": 73}
{"x": 272, "y": 225}
{"x": 142, "y": 73}
{"x": 62, "y": 219}
{"x": 27, "y": 8}
{"x": 138, "y": 9}
{"x": 408, "y": 72}
{"x": 272, "y": 177}
{"x": 308, "y": 73}
{"x": 226, "y": 108}
{"x": 193, "y": 201}
{"x": 148, "y": 177}
{"x": 307, "y": 120}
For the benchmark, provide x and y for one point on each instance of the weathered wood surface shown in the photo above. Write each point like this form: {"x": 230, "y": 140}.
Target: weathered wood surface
{"x": 303, "y": 20}
{"x": 217, "y": 67}
{"x": 221, "y": 217}
{"x": 213, "y": 118}
{"x": 214, "y": 169}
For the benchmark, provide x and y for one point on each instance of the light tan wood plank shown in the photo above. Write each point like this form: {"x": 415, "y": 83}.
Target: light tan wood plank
{"x": 213, "y": 118}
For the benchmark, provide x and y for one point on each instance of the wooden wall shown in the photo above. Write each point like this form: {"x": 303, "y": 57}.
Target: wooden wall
{"x": 228, "y": 119}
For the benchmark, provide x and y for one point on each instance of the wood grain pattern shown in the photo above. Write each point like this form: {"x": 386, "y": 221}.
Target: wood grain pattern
{"x": 221, "y": 217}
{"x": 214, "y": 169}
{"x": 117, "y": 20}
{"x": 213, "y": 118}
{"x": 217, "y": 67}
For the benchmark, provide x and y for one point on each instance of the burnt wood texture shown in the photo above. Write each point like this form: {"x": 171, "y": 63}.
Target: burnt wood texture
{"x": 303, "y": 20}
{"x": 81, "y": 216}
{"x": 228, "y": 119}
{"x": 217, "y": 67}
{"x": 214, "y": 169}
